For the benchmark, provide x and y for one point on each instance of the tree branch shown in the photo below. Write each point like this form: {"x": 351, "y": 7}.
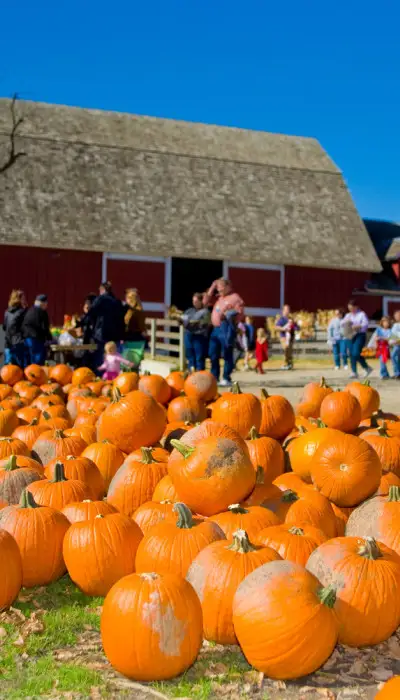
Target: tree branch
{"x": 13, "y": 154}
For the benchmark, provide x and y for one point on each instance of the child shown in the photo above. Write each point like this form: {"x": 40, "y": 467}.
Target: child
{"x": 113, "y": 361}
{"x": 395, "y": 343}
{"x": 261, "y": 349}
{"x": 383, "y": 335}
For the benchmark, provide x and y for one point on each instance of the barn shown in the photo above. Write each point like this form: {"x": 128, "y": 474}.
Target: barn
{"x": 168, "y": 206}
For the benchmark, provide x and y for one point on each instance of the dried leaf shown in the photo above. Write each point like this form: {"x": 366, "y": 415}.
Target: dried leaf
{"x": 358, "y": 668}
{"x": 394, "y": 648}
{"x": 17, "y": 613}
{"x": 382, "y": 674}
{"x": 19, "y": 642}
{"x": 280, "y": 685}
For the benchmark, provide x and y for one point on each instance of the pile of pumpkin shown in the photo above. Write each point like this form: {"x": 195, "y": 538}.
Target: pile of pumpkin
{"x": 229, "y": 518}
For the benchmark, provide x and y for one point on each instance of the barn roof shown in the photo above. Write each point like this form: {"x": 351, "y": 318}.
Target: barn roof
{"x": 106, "y": 181}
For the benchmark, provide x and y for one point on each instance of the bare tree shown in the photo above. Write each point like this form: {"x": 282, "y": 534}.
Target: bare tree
{"x": 13, "y": 153}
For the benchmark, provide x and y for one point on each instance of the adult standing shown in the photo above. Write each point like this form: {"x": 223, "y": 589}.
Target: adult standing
{"x": 196, "y": 321}
{"x": 36, "y": 330}
{"x": 336, "y": 339}
{"x": 106, "y": 315}
{"x": 134, "y": 317}
{"x": 12, "y": 326}
{"x": 395, "y": 344}
{"x": 358, "y": 320}
{"x": 85, "y": 326}
{"x": 287, "y": 328}
{"x": 228, "y": 308}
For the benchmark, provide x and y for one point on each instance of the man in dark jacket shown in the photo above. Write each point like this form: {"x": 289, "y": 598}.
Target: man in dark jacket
{"x": 36, "y": 330}
{"x": 12, "y": 326}
{"x": 106, "y": 314}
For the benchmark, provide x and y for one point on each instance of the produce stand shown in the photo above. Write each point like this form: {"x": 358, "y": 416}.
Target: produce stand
{"x": 61, "y": 351}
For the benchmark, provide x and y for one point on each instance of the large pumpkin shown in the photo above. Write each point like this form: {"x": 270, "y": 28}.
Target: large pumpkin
{"x": 60, "y": 491}
{"x": 346, "y": 470}
{"x": 216, "y": 573}
{"x": 171, "y": 547}
{"x": 239, "y": 411}
{"x": 390, "y": 690}
{"x": 152, "y": 513}
{"x": 86, "y": 510}
{"x": 201, "y": 385}
{"x": 252, "y": 519}
{"x": 100, "y": 551}
{"x": 11, "y": 374}
{"x": 154, "y": 385}
{"x": 186, "y": 409}
{"x": 11, "y": 569}
{"x": 387, "y": 449}
{"x": 277, "y": 419}
{"x": 378, "y": 517}
{"x": 367, "y": 397}
{"x": 39, "y": 533}
{"x": 303, "y": 448}
{"x": 133, "y": 421}
{"x": 277, "y": 637}
{"x": 292, "y": 543}
{"x": 211, "y": 475}
{"x": 364, "y": 574}
{"x": 341, "y": 410}
{"x": 135, "y": 481}
{"x": 160, "y": 622}
{"x": 52, "y": 444}
{"x": 267, "y": 453}
{"x": 14, "y": 479}
{"x": 107, "y": 458}
{"x": 82, "y": 469}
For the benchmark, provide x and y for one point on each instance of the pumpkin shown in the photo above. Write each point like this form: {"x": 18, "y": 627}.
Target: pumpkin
{"x": 388, "y": 479}
{"x": 252, "y": 519}
{"x": 304, "y": 507}
{"x": 379, "y": 517}
{"x": 74, "y": 399}
{"x": 159, "y": 619}
{"x": 341, "y": 410}
{"x": 346, "y": 470}
{"x": 277, "y": 416}
{"x": 8, "y": 422}
{"x": 35, "y": 374}
{"x": 11, "y": 569}
{"x": 13, "y": 403}
{"x": 211, "y": 475}
{"x": 210, "y": 428}
{"x": 201, "y": 385}
{"x": 365, "y": 575}
{"x": 22, "y": 461}
{"x": 390, "y": 690}
{"x": 27, "y": 391}
{"x": 238, "y": 411}
{"x": 165, "y": 491}
{"x": 39, "y": 532}
{"x": 176, "y": 382}
{"x": 89, "y": 418}
{"x": 133, "y": 421}
{"x": 82, "y": 376}
{"x": 152, "y": 513}
{"x": 44, "y": 402}
{"x": 86, "y": 432}
{"x": 99, "y": 552}
{"x": 289, "y": 482}
{"x": 174, "y": 431}
{"x": 277, "y": 638}
{"x": 171, "y": 547}
{"x": 107, "y": 458}
{"x": 154, "y": 385}
{"x": 14, "y": 479}
{"x": 135, "y": 481}
{"x": 56, "y": 423}
{"x": 126, "y": 381}
{"x": 387, "y": 449}
{"x": 62, "y": 374}
{"x": 5, "y": 391}
{"x": 13, "y": 446}
{"x": 96, "y": 387}
{"x": 263, "y": 491}
{"x": 306, "y": 409}
{"x": 367, "y": 397}
{"x": 59, "y": 491}
{"x": 82, "y": 469}
{"x": 186, "y": 409}
{"x": 11, "y": 374}
{"x": 55, "y": 411}
{"x": 215, "y": 575}
{"x": 52, "y": 444}
{"x": 52, "y": 389}
{"x": 267, "y": 453}
{"x": 86, "y": 510}
{"x": 29, "y": 433}
{"x": 292, "y": 543}
{"x": 151, "y": 454}
{"x": 342, "y": 515}
{"x": 27, "y": 414}
{"x": 390, "y": 422}
{"x": 302, "y": 450}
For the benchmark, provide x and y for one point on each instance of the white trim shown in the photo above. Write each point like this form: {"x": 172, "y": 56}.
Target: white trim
{"x": 386, "y": 301}
{"x": 225, "y": 269}
{"x": 139, "y": 258}
{"x": 153, "y": 306}
{"x": 260, "y": 311}
{"x": 104, "y": 268}
{"x": 167, "y": 282}
{"x": 282, "y": 290}
{"x": 253, "y": 266}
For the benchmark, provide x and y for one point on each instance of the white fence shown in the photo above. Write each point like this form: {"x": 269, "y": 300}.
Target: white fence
{"x": 166, "y": 338}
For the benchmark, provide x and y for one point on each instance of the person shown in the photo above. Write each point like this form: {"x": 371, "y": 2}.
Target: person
{"x": 261, "y": 349}
{"x": 36, "y": 330}
{"x": 336, "y": 339}
{"x": 227, "y": 307}
{"x": 134, "y": 317}
{"x": 12, "y": 326}
{"x": 250, "y": 332}
{"x": 287, "y": 327}
{"x": 358, "y": 321}
{"x": 112, "y": 362}
{"x": 196, "y": 322}
{"x": 383, "y": 335}
{"x": 241, "y": 348}
{"x": 395, "y": 344}
{"x": 106, "y": 316}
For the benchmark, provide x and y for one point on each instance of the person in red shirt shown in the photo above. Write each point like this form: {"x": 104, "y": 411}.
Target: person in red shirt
{"x": 261, "y": 349}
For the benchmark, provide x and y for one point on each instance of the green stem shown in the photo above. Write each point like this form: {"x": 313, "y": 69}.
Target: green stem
{"x": 366, "y": 382}
{"x": 45, "y": 415}
{"x": 59, "y": 473}
{"x": 327, "y": 596}
{"x": 11, "y": 464}
{"x": 241, "y": 543}
{"x": 253, "y": 434}
{"x": 185, "y": 520}
{"x": 185, "y": 450}
{"x": 370, "y": 549}
{"x": 237, "y": 508}
{"x": 296, "y": 531}
{"x": 260, "y": 476}
{"x": 289, "y": 496}
{"x": 59, "y": 433}
{"x": 394, "y": 493}
{"x": 235, "y": 388}
{"x": 147, "y": 455}
{"x": 27, "y": 500}
{"x": 264, "y": 394}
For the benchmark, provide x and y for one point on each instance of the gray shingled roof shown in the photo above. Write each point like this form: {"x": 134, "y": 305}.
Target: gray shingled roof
{"x": 122, "y": 183}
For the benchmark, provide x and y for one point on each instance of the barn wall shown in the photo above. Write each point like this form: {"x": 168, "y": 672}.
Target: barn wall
{"x": 316, "y": 288}
{"x": 147, "y": 276}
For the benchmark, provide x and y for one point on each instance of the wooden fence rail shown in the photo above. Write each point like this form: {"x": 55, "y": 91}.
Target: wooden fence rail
{"x": 166, "y": 336}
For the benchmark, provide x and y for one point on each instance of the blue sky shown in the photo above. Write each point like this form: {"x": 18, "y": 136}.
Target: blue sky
{"x": 325, "y": 69}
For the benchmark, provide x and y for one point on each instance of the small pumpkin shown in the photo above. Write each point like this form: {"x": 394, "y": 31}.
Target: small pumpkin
{"x": 176, "y": 382}
{"x": 302, "y": 450}
{"x": 277, "y": 416}
{"x": 27, "y": 391}
{"x": 126, "y": 381}
{"x": 165, "y": 491}
{"x": 132, "y": 421}
{"x": 82, "y": 469}
{"x": 82, "y": 376}
{"x": 263, "y": 491}
{"x": 289, "y": 482}
{"x": 88, "y": 433}
{"x": 237, "y": 410}
{"x": 14, "y": 479}
{"x": 378, "y": 517}
{"x": 5, "y": 391}
{"x": 267, "y": 453}
{"x": 107, "y": 458}
{"x": 314, "y": 393}
{"x": 11, "y": 374}
{"x": 387, "y": 449}
{"x": 201, "y": 385}
{"x": 388, "y": 479}
{"x": 59, "y": 491}
{"x": 86, "y": 510}
{"x": 8, "y": 421}
{"x": 252, "y": 519}
{"x": 186, "y": 409}
{"x": 27, "y": 414}
{"x": 13, "y": 446}
{"x": 35, "y": 374}
{"x": 135, "y": 481}
{"x": 292, "y": 543}
{"x": 11, "y": 569}
{"x": 341, "y": 410}
{"x": 304, "y": 507}
{"x": 29, "y": 433}
{"x": 62, "y": 374}
{"x": 367, "y": 397}
{"x": 88, "y": 418}
{"x": 55, "y": 443}
{"x": 151, "y": 513}
{"x": 154, "y": 385}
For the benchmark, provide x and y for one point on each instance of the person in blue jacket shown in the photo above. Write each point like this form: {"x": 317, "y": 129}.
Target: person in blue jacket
{"x": 196, "y": 321}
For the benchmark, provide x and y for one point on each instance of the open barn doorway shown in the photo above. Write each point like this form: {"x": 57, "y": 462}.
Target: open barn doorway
{"x": 191, "y": 275}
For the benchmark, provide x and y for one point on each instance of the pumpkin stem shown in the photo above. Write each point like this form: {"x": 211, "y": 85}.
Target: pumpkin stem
{"x": 27, "y": 500}
{"x": 327, "y": 596}
{"x": 302, "y": 430}
{"x": 320, "y": 423}
{"x": 149, "y": 577}
{"x": 253, "y": 434}
{"x": 45, "y": 415}
{"x": 59, "y": 433}
{"x": 59, "y": 473}
{"x": 370, "y": 549}
{"x": 366, "y": 382}
{"x": 147, "y": 455}
{"x": 185, "y": 450}
{"x": 185, "y": 520}
{"x": 11, "y": 464}
{"x": 374, "y": 423}
{"x": 394, "y": 493}
{"x": 33, "y": 422}
{"x": 146, "y": 373}
{"x": 115, "y": 395}
{"x": 289, "y": 496}
{"x": 296, "y": 531}
{"x": 323, "y": 383}
{"x": 237, "y": 508}
{"x": 382, "y": 430}
{"x": 264, "y": 394}
{"x": 260, "y": 476}
{"x": 241, "y": 543}
{"x": 235, "y": 388}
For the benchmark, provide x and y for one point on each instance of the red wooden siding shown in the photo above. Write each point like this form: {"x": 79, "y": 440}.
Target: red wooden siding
{"x": 66, "y": 276}
{"x": 317, "y": 288}
{"x": 392, "y": 307}
{"x": 260, "y": 288}
{"x": 147, "y": 277}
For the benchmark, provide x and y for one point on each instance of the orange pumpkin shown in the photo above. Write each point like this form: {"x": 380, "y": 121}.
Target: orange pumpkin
{"x": 135, "y": 481}
{"x": 367, "y": 397}
{"x": 342, "y": 515}
{"x": 304, "y": 507}
{"x": 27, "y": 391}
{"x": 186, "y": 409}
{"x": 27, "y": 414}
{"x": 12, "y": 403}
{"x": 5, "y": 391}
{"x": 292, "y": 543}
{"x": 263, "y": 491}
{"x": 133, "y": 421}
{"x": 302, "y": 450}
{"x": 29, "y": 433}
{"x": 201, "y": 385}
{"x": 239, "y": 411}
{"x": 13, "y": 446}
{"x": 126, "y": 381}
{"x": 252, "y": 519}
{"x": 289, "y": 482}
{"x": 267, "y": 453}
{"x": 79, "y": 511}
{"x": 11, "y": 568}
{"x": 14, "y": 479}
{"x": 176, "y": 382}
{"x": 8, "y": 421}
{"x": 152, "y": 513}
{"x": 387, "y": 449}
{"x": 165, "y": 491}
{"x": 315, "y": 392}
{"x": 82, "y": 469}
{"x": 62, "y": 374}
{"x": 11, "y": 374}
{"x": 174, "y": 431}
{"x": 60, "y": 491}
{"x": 86, "y": 432}
{"x": 388, "y": 479}
{"x": 107, "y": 458}
{"x": 44, "y": 402}
{"x": 154, "y": 385}
{"x": 378, "y": 517}
{"x": 55, "y": 411}
{"x": 277, "y": 419}
{"x": 82, "y": 376}
{"x": 51, "y": 444}
{"x": 341, "y": 410}
{"x": 390, "y": 690}
{"x": 88, "y": 418}
{"x": 306, "y": 409}
{"x": 35, "y": 374}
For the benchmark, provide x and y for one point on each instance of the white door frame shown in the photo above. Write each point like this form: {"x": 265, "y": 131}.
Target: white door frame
{"x": 259, "y": 310}
{"x": 386, "y": 301}
{"x": 147, "y": 305}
